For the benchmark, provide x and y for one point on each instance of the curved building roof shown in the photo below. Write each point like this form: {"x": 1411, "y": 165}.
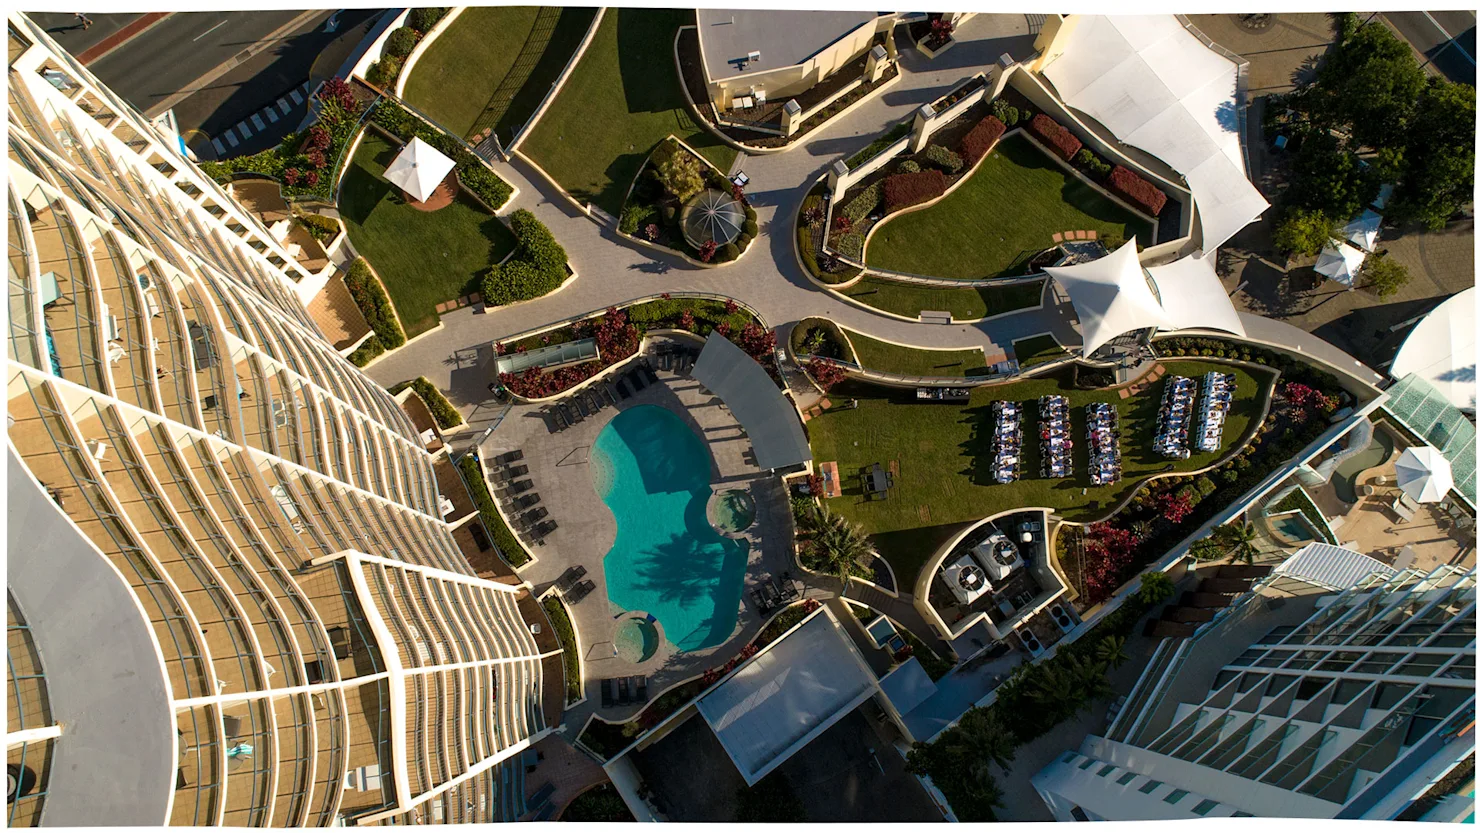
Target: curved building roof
{"x": 1441, "y": 350}
{"x": 769, "y": 419}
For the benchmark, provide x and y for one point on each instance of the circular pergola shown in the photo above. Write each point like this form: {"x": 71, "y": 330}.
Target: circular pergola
{"x": 712, "y": 216}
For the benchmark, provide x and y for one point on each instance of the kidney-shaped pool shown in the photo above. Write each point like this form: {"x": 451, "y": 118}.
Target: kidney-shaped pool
{"x": 653, "y": 472}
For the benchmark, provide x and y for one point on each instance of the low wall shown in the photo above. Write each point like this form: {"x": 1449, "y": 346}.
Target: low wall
{"x": 558, "y": 85}
{"x": 383, "y": 30}
{"x": 422, "y": 45}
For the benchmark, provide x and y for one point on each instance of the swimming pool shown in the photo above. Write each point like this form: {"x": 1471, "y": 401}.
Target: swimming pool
{"x": 1344, "y": 479}
{"x": 1294, "y": 526}
{"x": 653, "y": 473}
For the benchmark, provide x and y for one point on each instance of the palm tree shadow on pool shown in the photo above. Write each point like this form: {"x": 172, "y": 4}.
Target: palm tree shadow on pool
{"x": 683, "y": 575}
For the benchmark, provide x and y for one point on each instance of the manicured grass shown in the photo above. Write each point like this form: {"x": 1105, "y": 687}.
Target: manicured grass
{"x": 494, "y": 64}
{"x": 963, "y": 304}
{"x": 565, "y": 632}
{"x": 619, "y": 102}
{"x": 423, "y": 257}
{"x": 944, "y": 454}
{"x": 913, "y": 361}
{"x": 1006, "y": 212}
{"x": 1036, "y": 350}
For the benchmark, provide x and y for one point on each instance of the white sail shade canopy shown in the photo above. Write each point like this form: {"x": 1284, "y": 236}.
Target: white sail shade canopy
{"x": 1340, "y": 261}
{"x": 1362, "y": 232}
{"x": 418, "y": 169}
{"x": 1193, "y": 297}
{"x": 1424, "y": 474}
{"x": 1441, "y": 350}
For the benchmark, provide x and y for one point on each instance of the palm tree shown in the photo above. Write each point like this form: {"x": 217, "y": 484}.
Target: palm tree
{"x": 983, "y": 735}
{"x": 1111, "y": 651}
{"x": 837, "y": 544}
{"x": 1238, "y": 541}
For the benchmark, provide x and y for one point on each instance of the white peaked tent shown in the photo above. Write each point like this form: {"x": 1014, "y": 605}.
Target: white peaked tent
{"x": 1156, "y": 86}
{"x": 1424, "y": 474}
{"x": 1340, "y": 261}
{"x": 418, "y": 169}
{"x": 1362, "y": 232}
{"x": 1441, "y": 349}
{"x": 1111, "y": 296}
{"x": 1193, "y": 297}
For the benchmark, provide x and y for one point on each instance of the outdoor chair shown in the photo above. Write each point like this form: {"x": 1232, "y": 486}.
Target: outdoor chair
{"x": 647, "y": 370}
{"x": 665, "y": 361}
{"x": 520, "y": 487}
{"x": 639, "y": 685}
{"x": 580, "y": 405}
{"x": 596, "y": 403}
{"x": 621, "y": 387}
{"x": 636, "y": 379}
{"x": 624, "y": 694}
{"x": 541, "y": 796}
{"x": 606, "y": 391}
{"x": 509, "y": 457}
{"x": 557, "y": 419}
{"x": 608, "y": 693}
{"x": 569, "y": 414}
{"x": 546, "y": 812}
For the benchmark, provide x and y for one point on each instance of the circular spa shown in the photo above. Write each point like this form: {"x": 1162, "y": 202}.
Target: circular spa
{"x": 653, "y": 472}
{"x": 732, "y": 511}
{"x": 636, "y": 639}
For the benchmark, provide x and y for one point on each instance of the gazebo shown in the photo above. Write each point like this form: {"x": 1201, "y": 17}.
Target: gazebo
{"x": 418, "y": 169}
{"x": 1340, "y": 261}
{"x": 712, "y": 216}
{"x": 1362, "y": 232}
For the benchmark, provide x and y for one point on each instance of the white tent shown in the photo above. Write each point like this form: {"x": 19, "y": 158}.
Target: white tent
{"x": 1441, "y": 350}
{"x": 1111, "y": 295}
{"x": 1340, "y": 261}
{"x": 1156, "y": 86}
{"x": 1424, "y": 474}
{"x": 418, "y": 169}
{"x": 1193, "y": 297}
{"x": 1362, "y": 232}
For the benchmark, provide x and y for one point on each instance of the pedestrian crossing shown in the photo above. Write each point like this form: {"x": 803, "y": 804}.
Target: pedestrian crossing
{"x": 258, "y": 122}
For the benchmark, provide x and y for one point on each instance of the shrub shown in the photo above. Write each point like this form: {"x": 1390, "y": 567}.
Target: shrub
{"x": 944, "y": 158}
{"x": 423, "y": 19}
{"x": 904, "y": 190}
{"x": 849, "y": 245}
{"x": 727, "y": 253}
{"x": 751, "y": 228}
{"x": 909, "y": 166}
{"x": 536, "y": 267}
{"x": 634, "y": 215}
{"x": 1384, "y": 275}
{"x": 374, "y": 304}
{"x": 323, "y": 229}
{"x": 1092, "y": 164}
{"x": 680, "y": 175}
{"x": 1055, "y": 135}
{"x": 401, "y": 42}
{"x": 980, "y": 139}
{"x": 1138, "y": 191}
{"x": 827, "y": 373}
{"x": 864, "y": 204}
{"x": 366, "y": 352}
{"x": 442, "y": 411}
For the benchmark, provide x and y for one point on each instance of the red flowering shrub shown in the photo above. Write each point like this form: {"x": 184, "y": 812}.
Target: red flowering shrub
{"x": 828, "y": 373}
{"x": 1307, "y": 401}
{"x": 316, "y": 158}
{"x": 814, "y": 484}
{"x": 723, "y": 329}
{"x": 904, "y": 190}
{"x": 731, "y": 306}
{"x": 980, "y": 139}
{"x": 1140, "y": 193}
{"x": 1055, "y": 135}
{"x": 904, "y": 653}
{"x": 706, "y": 251}
{"x": 1175, "y": 506}
{"x": 842, "y": 224}
{"x": 686, "y": 321}
{"x": 757, "y": 342}
{"x": 311, "y": 178}
{"x": 498, "y": 348}
{"x": 940, "y": 32}
{"x": 292, "y": 175}
{"x": 1108, "y": 552}
{"x": 337, "y": 91}
{"x": 316, "y": 138}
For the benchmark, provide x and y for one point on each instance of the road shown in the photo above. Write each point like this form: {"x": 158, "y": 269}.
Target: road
{"x": 1446, "y": 38}
{"x": 171, "y": 56}
{"x": 69, "y": 34}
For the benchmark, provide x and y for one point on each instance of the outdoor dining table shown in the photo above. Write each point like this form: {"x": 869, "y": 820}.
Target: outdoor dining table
{"x": 878, "y": 479}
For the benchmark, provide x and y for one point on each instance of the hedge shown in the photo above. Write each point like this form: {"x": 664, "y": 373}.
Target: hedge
{"x": 944, "y": 158}
{"x": 1128, "y": 184}
{"x": 445, "y": 415}
{"x": 1055, "y": 135}
{"x": 1091, "y": 164}
{"x": 537, "y": 266}
{"x": 423, "y": 19}
{"x": 565, "y": 632}
{"x": 503, "y": 538}
{"x": 472, "y": 174}
{"x": 864, "y": 204}
{"x": 401, "y": 41}
{"x": 321, "y": 228}
{"x": 904, "y": 190}
{"x": 979, "y": 140}
{"x": 374, "y": 304}
{"x": 367, "y": 351}
{"x": 877, "y": 146}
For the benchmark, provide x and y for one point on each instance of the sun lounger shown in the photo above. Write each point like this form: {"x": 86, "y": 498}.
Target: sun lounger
{"x": 579, "y": 403}
{"x": 624, "y": 692}
{"x": 608, "y": 693}
{"x": 558, "y": 419}
{"x": 636, "y": 379}
{"x": 541, "y": 796}
{"x": 572, "y": 416}
{"x": 509, "y": 457}
{"x": 521, "y": 486}
{"x": 621, "y": 386}
{"x": 546, "y": 812}
{"x": 596, "y": 403}
{"x": 523, "y": 502}
{"x": 639, "y": 689}
{"x": 647, "y": 370}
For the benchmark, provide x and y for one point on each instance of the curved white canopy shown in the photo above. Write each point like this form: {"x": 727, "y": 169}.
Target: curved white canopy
{"x": 1424, "y": 474}
{"x": 1156, "y": 86}
{"x": 1362, "y": 232}
{"x": 418, "y": 169}
{"x": 1111, "y": 295}
{"x": 1441, "y": 350}
{"x": 1193, "y": 297}
{"x": 1340, "y": 261}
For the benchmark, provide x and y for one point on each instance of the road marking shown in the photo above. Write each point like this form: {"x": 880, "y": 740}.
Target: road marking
{"x": 1451, "y": 41}
{"x": 272, "y": 115}
{"x": 208, "y": 31}
{"x": 241, "y": 127}
{"x": 297, "y": 99}
{"x": 231, "y": 137}
{"x": 283, "y": 106}
{"x": 220, "y": 148}
{"x": 258, "y": 123}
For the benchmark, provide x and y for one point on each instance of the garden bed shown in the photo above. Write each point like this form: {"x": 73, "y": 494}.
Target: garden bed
{"x": 653, "y": 213}
{"x": 821, "y": 338}
{"x": 504, "y": 541}
{"x": 1299, "y": 501}
{"x": 964, "y": 304}
{"x": 601, "y": 803}
{"x": 399, "y": 45}
{"x": 369, "y": 295}
{"x": 441, "y": 410}
{"x": 810, "y": 233}
{"x": 565, "y": 632}
{"x": 884, "y": 357}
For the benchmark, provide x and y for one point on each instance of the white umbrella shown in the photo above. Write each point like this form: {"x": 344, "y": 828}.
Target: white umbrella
{"x": 1340, "y": 261}
{"x": 1424, "y": 474}
{"x": 418, "y": 169}
{"x": 1362, "y": 232}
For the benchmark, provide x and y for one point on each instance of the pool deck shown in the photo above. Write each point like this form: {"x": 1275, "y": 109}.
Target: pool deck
{"x": 559, "y": 467}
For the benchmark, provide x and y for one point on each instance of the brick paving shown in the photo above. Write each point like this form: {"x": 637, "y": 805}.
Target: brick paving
{"x": 337, "y": 315}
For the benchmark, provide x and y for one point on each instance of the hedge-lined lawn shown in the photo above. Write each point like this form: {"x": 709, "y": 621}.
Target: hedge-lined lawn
{"x": 423, "y": 257}
{"x": 944, "y": 454}
{"x": 619, "y": 102}
{"x": 1007, "y": 211}
{"x": 493, "y": 65}
{"x": 963, "y": 304}
{"x": 1036, "y": 350}
{"x": 914, "y": 361}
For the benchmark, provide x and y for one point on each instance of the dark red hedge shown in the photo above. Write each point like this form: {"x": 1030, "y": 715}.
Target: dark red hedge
{"x": 1128, "y": 184}
{"x": 979, "y": 140}
{"x": 905, "y": 190}
{"x": 1055, "y": 135}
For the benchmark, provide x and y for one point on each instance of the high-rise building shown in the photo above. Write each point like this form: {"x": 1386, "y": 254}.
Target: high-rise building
{"x": 232, "y": 595}
{"x": 1298, "y": 701}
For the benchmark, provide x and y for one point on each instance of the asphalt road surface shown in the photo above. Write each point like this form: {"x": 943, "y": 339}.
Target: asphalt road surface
{"x": 1446, "y": 38}
{"x": 69, "y": 34}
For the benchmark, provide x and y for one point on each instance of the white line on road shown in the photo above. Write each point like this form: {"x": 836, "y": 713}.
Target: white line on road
{"x": 1451, "y": 41}
{"x": 208, "y": 31}
{"x": 272, "y": 115}
{"x": 283, "y": 106}
{"x": 241, "y": 127}
{"x": 297, "y": 99}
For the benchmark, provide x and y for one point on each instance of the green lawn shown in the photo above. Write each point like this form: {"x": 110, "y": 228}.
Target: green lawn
{"x": 944, "y": 454}
{"x": 621, "y": 100}
{"x": 1006, "y": 212}
{"x": 914, "y": 361}
{"x": 963, "y": 304}
{"x": 424, "y": 258}
{"x": 494, "y": 64}
{"x": 1037, "y": 349}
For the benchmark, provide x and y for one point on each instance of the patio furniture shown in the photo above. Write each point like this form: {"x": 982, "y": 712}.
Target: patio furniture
{"x": 579, "y": 403}
{"x": 520, "y": 487}
{"x": 541, "y": 796}
{"x": 639, "y": 688}
{"x": 1404, "y": 507}
{"x": 523, "y": 502}
{"x": 624, "y": 692}
{"x": 646, "y": 368}
{"x": 558, "y": 418}
{"x": 621, "y": 387}
{"x": 608, "y": 693}
{"x": 510, "y": 457}
{"x": 571, "y": 415}
{"x": 546, "y": 812}
{"x": 533, "y": 516}
{"x": 636, "y": 379}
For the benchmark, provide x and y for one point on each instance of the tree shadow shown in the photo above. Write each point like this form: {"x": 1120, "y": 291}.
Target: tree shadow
{"x": 685, "y": 573}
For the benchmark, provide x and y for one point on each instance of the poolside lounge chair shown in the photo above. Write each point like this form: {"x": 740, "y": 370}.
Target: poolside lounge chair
{"x": 557, "y": 419}
{"x": 533, "y": 516}
{"x": 546, "y": 812}
{"x": 520, "y": 487}
{"x": 624, "y": 693}
{"x": 621, "y": 387}
{"x": 579, "y": 403}
{"x": 608, "y": 693}
{"x": 636, "y": 379}
{"x": 639, "y": 688}
{"x": 570, "y": 415}
{"x": 541, "y": 796}
{"x": 523, "y": 502}
{"x": 510, "y": 457}
{"x": 646, "y": 367}
{"x": 596, "y": 403}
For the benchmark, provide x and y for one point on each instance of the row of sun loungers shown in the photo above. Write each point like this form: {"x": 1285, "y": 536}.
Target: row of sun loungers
{"x": 676, "y": 358}
{"x": 1175, "y": 417}
{"x": 772, "y": 593}
{"x": 1007, "y": 441}
{"x": 519, "y": 498}
{"x": 1055, "y": 443}
{"x": 620, "y": 691}
{"x": 1103, "y": 433}
{"x": 580, "y": 591}
{"x": 1218, "y": 389}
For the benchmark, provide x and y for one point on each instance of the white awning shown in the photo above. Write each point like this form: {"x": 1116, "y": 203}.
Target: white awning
{"x": 1340, "y": 261}
{"x": 1193, "y": 297}
{"x": 768, "y": 417}
{"x": 1362, "y": 232}
{"x": 418, "y": 169}
{"x": 1334, "y": 567}
{"x": 1111, "y": 295}
{"x": 1441, "y": 350}
{"x": 1156, "y": 86}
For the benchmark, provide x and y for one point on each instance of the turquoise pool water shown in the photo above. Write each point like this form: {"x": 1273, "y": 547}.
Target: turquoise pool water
{"x": 1344, "y": 479}
{"x": 653, "y": 472}
{"x": 1294, "y": 526}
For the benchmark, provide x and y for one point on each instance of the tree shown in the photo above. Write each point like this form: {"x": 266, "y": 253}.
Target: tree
{"x": 1331, "y": 180}
{"x": 1111, "y": 651}
{"x": 1384, "y": 275}
{"x": 1156, "y": 588}
{"x": 680, "y": 175}
{"x": 1239, "y": 541}
{"x": 1438, "y": 170}
{"x": 1369, "y": 85}
{"x": 984, "y": 735}
{"x": 836, "y": 544}
{"x": 1304, "y": 231}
